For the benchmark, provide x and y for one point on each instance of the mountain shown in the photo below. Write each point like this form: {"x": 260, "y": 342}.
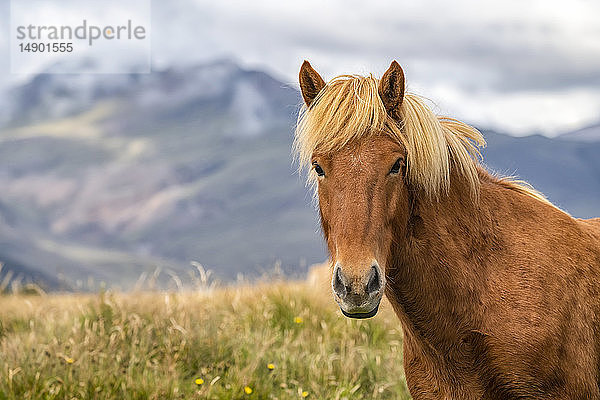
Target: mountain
{"x": 107, "y": 177}
{"x": 180, "y": 165}
{"x": 566, "y": 171}
{"x": 587, "y": 134}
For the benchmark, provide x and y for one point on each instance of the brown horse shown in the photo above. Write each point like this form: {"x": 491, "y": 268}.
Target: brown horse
{"x": 497, "y": 290}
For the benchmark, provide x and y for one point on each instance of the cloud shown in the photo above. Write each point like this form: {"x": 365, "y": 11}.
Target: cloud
{"x": 515, "y": 65}
{"x": 520, "y": 66}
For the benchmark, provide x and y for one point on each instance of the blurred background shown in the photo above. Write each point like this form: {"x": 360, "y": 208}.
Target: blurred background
{"x": 107, "y": 177}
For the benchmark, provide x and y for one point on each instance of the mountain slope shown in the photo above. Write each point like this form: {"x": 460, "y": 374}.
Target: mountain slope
{"x": 111, "y": 177}
{"x": 588, "y": 134}
{"x": 567, "y": 172}
{"x": 182, "y": 165}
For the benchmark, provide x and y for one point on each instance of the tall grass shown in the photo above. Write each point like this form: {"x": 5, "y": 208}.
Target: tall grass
{"x": 268, "y": 341}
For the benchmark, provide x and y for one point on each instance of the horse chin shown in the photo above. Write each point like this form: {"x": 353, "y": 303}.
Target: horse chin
{"x": 361, "y": 315}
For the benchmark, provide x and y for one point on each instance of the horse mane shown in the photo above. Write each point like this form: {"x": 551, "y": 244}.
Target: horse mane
{"x": 520, "y": 186}
{"x": 350, "y": 108}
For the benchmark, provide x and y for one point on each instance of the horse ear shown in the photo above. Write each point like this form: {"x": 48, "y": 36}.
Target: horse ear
{"x": 311, "y": 83}
{"x": 391, "y": 90}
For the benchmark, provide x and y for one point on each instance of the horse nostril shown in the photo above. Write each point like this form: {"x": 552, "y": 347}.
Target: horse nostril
{"x": 374, "y": 284}
{"x": 338, "y": 283}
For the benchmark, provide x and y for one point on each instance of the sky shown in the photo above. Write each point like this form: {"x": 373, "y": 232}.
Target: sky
{"x": 517, "y": 66}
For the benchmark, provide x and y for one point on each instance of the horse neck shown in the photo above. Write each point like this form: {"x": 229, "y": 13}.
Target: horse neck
{"x": 435, "y": 279}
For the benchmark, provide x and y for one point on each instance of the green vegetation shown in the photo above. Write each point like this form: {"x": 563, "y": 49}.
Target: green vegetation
{"x": 270, "y": 341}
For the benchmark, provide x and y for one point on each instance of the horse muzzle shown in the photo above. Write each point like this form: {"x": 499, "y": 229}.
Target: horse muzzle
{"x": 358, "y": 297}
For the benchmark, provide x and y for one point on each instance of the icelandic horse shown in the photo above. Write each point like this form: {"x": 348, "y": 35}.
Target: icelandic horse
{"x": 497, "y": 290}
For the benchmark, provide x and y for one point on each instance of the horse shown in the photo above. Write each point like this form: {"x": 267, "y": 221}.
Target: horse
{"x": 497, "y": 290}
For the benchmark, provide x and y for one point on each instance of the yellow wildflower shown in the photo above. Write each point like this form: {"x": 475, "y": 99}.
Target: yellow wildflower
{"x": 247, "y": 390}
{"x": 298, "y": 320}
{"x": 199, "y": 381}
{"x": 271, "y": 366}
{"x": 305, "y": 394}
{"x": 69, "y": 360}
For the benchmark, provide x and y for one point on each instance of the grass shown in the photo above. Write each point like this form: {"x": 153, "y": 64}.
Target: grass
{"x": 269, "y": 341}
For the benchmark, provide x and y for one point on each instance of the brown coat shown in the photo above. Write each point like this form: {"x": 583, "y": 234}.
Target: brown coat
{"x": 499, "y": 300}
{"x": 497, "y": 290}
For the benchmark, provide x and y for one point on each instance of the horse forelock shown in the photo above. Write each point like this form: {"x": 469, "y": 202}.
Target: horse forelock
{"x": 349, "y": 108}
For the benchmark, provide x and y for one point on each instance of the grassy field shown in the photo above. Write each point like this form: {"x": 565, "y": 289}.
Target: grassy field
{"x": 267, "y": 341}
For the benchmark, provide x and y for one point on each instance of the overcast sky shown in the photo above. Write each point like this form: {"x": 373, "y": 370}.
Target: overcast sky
{"x": 517, "y": 66}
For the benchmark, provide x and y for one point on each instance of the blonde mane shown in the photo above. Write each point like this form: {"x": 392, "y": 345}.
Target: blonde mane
{"x": 350, "y": 108}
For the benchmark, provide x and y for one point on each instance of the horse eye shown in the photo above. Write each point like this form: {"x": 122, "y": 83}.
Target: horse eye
{"x": 318, "y": 169}
{"x": 397, "y": 165}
